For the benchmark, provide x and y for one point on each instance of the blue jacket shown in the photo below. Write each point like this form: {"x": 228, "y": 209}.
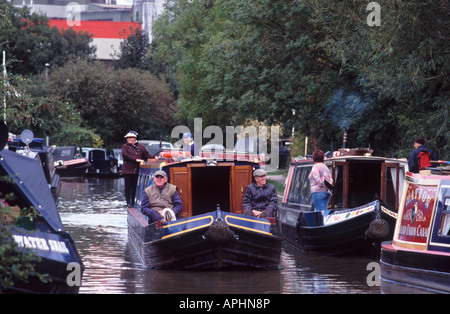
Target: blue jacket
{"x": 413, "y": 162}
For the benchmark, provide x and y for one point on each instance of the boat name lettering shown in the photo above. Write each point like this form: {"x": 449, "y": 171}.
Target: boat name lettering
{"x": 419, "y": 195}
{"x": 411, "y": 231}
{"x": 41, "y": 244}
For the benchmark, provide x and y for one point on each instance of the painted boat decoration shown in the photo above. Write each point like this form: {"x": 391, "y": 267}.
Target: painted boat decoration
{"x": 204, "y": 236}
{"x": 419, "y": 253}
{"x": 363, "y": 208}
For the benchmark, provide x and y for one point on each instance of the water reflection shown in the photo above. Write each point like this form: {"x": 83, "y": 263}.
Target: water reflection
{"x": 94, "y": 212}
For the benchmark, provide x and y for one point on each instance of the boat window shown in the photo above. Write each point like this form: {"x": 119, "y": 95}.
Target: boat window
{"x": 338, "y": 192}
{"x": 444, "y": 230}
{"x": 363, "y": 183}
{"x": 299, "y": 192}
{"x": 391, "y": 195}
{"x": 390, "y": 188}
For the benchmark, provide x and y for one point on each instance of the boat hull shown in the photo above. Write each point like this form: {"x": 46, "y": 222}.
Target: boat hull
{"x": 194, "y": 244}
{"x": 58, "y": 261}
{"x": 426, "y": 269}
{"x": 346, "y": 236}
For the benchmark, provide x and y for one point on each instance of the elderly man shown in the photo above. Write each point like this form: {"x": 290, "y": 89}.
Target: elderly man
{"x": 161, "y": 201}
{"x": 260, "y": 199}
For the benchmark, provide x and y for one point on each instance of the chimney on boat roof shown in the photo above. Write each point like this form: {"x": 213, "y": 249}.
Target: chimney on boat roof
{"x": 344, "y": 144}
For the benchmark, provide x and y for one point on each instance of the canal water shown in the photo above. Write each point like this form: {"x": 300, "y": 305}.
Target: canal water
{"x": 93, "y": 211}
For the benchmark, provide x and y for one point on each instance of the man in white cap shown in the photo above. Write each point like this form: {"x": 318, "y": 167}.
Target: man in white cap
{"x": 260, "y": 198}
{"x": 161, "y": 201}
{"x": 133, "y": 155}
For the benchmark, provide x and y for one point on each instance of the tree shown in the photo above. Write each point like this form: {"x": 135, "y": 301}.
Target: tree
{"x": 262, "y": 59}
{"x": 111, "y": 102}
{"x": 133, "y": 50}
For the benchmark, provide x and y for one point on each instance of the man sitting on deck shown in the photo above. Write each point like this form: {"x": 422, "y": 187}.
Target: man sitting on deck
{"x": 260, "y": 199}
{"x": 161, "y": 201}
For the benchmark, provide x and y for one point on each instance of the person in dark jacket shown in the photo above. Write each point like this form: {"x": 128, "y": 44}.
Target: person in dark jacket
{"x": 420, "y": 147}
{"x": 133, "y": 155}
{"x": 260, "y": 198}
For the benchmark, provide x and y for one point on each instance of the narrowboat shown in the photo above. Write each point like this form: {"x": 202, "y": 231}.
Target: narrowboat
{"x": 362, "y": 208}
{"x": 419, "y": 254}
{"x": 41, "y": 230}
{"x": 69, "y": 163}
{"x": 29, "y": 146}
{"x": 99, "y": 163}
{"x": 211, "y": 232}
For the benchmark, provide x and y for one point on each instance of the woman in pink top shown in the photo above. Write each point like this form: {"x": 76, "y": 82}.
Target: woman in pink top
{"x": 319, "y": 191}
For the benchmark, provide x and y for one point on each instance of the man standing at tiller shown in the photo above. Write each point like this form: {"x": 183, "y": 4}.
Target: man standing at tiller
{"x": 421, "y": 156}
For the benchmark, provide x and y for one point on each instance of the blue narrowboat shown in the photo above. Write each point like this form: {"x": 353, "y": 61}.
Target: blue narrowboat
{"x": 210, "y": 232}
{"x": 362, "y": 208}
{"x": 419, "y": 254}
{"x": 42, "y": 233}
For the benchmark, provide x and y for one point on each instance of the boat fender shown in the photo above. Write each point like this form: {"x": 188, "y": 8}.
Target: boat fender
{"x": 219, "y": 232}
{"x": 378, "y": 229}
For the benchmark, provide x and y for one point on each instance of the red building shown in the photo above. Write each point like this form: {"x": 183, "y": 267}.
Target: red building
{"x": 106, "y": 37}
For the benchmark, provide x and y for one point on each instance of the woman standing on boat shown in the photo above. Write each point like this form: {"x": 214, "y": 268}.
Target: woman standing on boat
{"x": 133, "y": 154}
{"x": 320, "y": 173}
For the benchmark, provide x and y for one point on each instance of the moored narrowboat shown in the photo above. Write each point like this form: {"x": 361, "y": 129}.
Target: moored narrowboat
{"x": 31, "y": 147}
{"x": 210, "y": 232}
{"x": 41, "y": 231}
{"x": 362, "y": 209}
{"x": 69, "y": 163}
{"x": 419, "y": 253}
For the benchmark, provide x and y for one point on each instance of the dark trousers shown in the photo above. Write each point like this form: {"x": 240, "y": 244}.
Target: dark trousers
{"x": 130, "y": 188}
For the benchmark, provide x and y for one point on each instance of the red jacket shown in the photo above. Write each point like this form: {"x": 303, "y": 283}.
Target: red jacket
{"x": 132, "y": 152}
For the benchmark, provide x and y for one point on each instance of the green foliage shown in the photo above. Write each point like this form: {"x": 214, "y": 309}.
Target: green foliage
{"x": 111, "y": 102}
{"x": 261, "y": 59}
{"x": 133, "y": 50}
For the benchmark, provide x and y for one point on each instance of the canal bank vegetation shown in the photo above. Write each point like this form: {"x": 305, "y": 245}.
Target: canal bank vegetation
{"x": 315, "y": 65}
{"x": 320, "y": 67}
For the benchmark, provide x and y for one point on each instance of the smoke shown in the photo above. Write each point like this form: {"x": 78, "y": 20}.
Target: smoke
{"x": 346, "y": 106}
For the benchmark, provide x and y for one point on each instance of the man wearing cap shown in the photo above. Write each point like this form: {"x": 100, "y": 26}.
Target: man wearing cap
{"x": 161, "y": 201}
{"x": 189, "y": 145}
{"x": 421, "y": 156}
{"x": 260, "y": 199}
{"x": 133, "y": 154}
